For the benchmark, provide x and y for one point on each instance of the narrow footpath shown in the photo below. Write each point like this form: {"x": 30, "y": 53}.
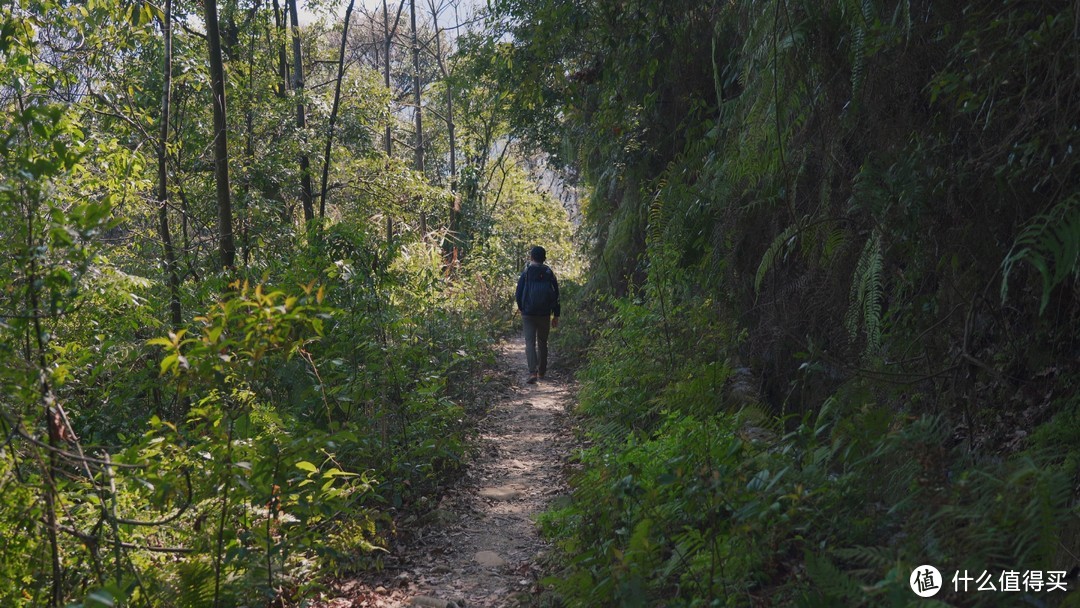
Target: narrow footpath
{"x": 479, "y": 547}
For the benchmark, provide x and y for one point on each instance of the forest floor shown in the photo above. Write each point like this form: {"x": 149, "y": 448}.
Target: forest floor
{"x": 479, "y": 546}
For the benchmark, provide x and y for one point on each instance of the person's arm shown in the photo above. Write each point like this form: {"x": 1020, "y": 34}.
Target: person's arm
{"x": 555, "y": 309}
{"x": 519, "y": 292}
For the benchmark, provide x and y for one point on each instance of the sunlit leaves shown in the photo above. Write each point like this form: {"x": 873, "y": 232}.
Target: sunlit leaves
{"x": 243, "y": 328}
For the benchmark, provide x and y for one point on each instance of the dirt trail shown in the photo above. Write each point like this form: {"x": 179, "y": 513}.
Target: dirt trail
{"x": 479, "y": 546}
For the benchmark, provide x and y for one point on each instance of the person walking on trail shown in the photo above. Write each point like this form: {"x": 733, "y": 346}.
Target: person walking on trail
{"x": 537, "y": 299}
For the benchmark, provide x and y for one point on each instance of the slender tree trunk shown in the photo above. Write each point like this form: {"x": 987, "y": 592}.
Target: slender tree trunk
{"x": 376, "y": 49}
{"x": 334, "y": 109}
{"x": 283, "y": 61}
{"x": 306, "y": 198}
{"x": 418, "y": 115}
{"x": 388, "y": 140}
{"x": 163, "y": 175}
{"x": 226, "y": 246}
{"x": 452, "y": 136}
{"x": 455, "y": 202}
{"x": 449, "y": 95}
{"x": 450, "y": 252}
{"x": 249, "y": 143}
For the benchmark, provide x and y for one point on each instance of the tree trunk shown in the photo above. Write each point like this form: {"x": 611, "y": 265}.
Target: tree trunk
{"x": 449, "y": 95}
{"x": 249, "y": 141}
{"x": 163, "y": 179}
{"x": 226, "y": 246}
{"x": 388, "y": 140}
{"x": 376, "y": 50}
{"x": 418, "y": 115}
{"x": 418, "y": 163}
{"x": 334, "y": 110}
{"x": 283, "y": 61}
{"x": 306, "y": 198}
{"x": 450, "y": 252}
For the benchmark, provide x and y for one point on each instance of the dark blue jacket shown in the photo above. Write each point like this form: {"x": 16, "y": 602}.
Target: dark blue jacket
{"x": 538, "y": 291}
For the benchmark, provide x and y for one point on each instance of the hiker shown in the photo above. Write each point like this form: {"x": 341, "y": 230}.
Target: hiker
{"x": 537, "y": 300}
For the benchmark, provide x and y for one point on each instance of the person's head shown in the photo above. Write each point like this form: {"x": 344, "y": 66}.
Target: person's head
{"x": 537, "y": 254}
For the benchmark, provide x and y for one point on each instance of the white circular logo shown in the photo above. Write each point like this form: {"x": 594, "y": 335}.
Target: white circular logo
{"x": 925, "y": 581}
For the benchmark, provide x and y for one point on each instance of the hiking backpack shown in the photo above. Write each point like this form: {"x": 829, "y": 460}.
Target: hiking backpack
{"x": 540, "y": 295}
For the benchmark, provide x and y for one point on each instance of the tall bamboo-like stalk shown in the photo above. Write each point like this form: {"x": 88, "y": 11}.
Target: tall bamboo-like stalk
{"x": 283, "y": 61}
{"x": 451, "y": 252}
{"x": 163, "y": 176}
{"x": 388, "y": 136}
{"x": 226, "y": 246}
{"x": 306, "y": 198}
{"x": 249, "y": 142}
{"x": 418, "y": 114}
{"x": 334, "y": 109}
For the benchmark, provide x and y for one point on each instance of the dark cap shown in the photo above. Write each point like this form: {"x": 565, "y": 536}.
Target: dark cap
{"x": 538, "y": 254}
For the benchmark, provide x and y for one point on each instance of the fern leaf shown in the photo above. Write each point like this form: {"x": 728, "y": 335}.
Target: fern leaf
{"x": 903, "y": 17}
{"x": 880, "y": 558}
{"x": 834, "y": 241}
{"x": 864, "y": 308}
{"x": 783, "y": 241}
{"x": 657, "y": 218}
{"x": 832, "y": 581}
{"x": 861, "y": 16}
{"x": 1051, "y": 244}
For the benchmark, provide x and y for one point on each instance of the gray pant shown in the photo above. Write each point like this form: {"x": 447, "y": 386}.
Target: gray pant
{"x": 536, "y": 338}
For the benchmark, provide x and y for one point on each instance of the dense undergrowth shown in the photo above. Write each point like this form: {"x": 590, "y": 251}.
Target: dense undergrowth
{"x": 692, "y": 492}
{"x": 833, "y": 310}
{"x": 184, "y": 425}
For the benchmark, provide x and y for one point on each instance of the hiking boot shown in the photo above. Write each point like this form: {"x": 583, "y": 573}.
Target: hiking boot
{"x": 532, "y": 379}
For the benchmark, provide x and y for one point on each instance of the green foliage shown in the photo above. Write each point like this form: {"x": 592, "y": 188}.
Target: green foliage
{"x": 274, "y": 435}
{"x": 795, "y": 212}
{"x": 1051, "y": 244}
{"x": 780, "y": 245}
{"x": 677, "y": 502}
{"x": 866, "y": 289}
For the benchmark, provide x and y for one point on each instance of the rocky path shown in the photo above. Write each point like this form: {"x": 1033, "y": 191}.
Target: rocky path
{"x": 479, "y": 546}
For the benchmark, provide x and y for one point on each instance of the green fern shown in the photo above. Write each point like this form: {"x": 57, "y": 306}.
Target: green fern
{"x": 195, "y": 584}
{"x": 782, "y": 242}
{"x": 1050, "y": 243}
{"x": 864, "y": 308}
{"x": 832, "y": 244}
{"x": 833, "y": 581}
{"x": 657, "y": 218}
{"x": 874, "y": 558}
{"x": 902, "y": 16}
{"x": 860, "y": 16}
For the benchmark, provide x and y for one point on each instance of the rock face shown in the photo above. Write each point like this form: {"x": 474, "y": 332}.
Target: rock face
{"x": 489, "y": 559}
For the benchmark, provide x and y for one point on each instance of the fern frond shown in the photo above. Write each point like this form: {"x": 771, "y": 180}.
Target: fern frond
{"x": 860, "y": 15}
{"x": 864, "y": 308}
{"x": 657, "y": 218}
{"x": 832, "y": 244}
{"x": 783, "y": 241}
{"x": 1050, "y": 243}
{"x": 832, "y": 581}
{"x": 879, "y": 558}
{"x": 903, "y": 17}
{"x": 195, "y": 586}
